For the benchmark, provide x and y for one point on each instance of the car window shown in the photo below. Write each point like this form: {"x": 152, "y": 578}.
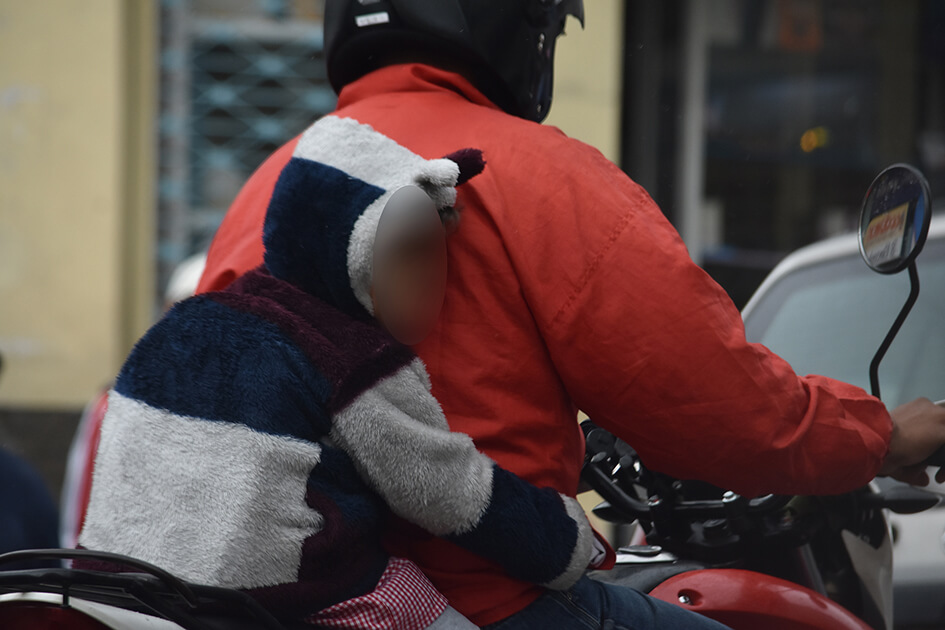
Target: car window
{"x": 830, "y": 318}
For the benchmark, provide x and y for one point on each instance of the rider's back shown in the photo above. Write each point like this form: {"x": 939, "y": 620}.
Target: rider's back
{"x": 569, "y": 289}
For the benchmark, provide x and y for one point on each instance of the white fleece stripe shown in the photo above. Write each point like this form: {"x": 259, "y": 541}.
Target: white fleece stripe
{"x": 583, "y": 548}
{"x": 361, "y": 248}
{"x": 363, "y": 153}
{"x": 361, "y": 251}
{"x": 213, "y": 502}
{"x": 399, "y": 440}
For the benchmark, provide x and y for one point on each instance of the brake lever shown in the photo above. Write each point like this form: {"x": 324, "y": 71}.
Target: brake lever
{"x": 630, "y": 507}
{"x": 903, "y": 499}
{"x": 601, "y": 445}
{"x": 937, "y": 459}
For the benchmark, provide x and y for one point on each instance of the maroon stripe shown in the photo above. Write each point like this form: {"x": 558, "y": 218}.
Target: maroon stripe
{"x": 302, "y": 599}
{"x": 351, "y": 353}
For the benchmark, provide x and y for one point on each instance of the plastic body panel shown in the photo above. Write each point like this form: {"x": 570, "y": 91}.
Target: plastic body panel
{"x": 746, "y": 600}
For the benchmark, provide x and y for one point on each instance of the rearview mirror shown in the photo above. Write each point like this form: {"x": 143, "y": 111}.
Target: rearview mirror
{"x": 894, "y": 219}
{"x": 894, "y": 223}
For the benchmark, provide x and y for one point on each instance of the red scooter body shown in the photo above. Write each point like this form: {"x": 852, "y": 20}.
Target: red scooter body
{"x": 768, "y": 562}
{"x": 746, "y": 600}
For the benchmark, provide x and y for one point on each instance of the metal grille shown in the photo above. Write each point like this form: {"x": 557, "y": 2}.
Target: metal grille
{"x": 239, "y": 78}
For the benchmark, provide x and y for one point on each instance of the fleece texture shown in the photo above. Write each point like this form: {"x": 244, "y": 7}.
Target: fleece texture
{"x": 328, "y": 250}
{"x": 256, "y": 436}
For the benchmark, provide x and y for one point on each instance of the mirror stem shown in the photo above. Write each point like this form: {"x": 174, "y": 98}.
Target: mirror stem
{"x": 881, "y": 352}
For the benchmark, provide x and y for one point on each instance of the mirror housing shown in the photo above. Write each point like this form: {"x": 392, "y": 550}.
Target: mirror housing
{"x": 894, "y": 224}
{"x": 894, "y": 219}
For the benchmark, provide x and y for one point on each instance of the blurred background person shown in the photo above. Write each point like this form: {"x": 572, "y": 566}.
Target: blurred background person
{"x": 77, "y": 482}
{"x": 28, "y": 518}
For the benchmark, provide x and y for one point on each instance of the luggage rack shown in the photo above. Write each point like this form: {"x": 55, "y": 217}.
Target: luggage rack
{"x": 146, "y": 589}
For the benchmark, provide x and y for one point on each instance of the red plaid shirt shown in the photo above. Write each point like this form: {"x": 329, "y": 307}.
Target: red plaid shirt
{"x": 404, "y": 599}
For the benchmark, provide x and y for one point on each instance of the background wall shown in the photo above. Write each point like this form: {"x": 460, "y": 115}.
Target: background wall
{"x": 78, "y": 172}
{"x": 76, "y": 162}
{"x": 588, "y": 76}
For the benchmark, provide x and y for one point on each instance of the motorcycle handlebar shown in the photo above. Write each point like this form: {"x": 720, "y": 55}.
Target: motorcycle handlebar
{"x": 937, "y": 458}
{"x": 632, "y": 508}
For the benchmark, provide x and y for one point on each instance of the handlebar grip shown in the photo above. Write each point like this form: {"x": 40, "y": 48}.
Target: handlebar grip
{"x": 587, "y": 426}
{"x": 937, "y": 458}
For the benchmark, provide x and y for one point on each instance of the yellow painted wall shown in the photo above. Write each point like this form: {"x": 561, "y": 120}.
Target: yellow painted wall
{"x": 588, "y": 72}
{"x": 76, "y": 164}
{"x": 77, "y": 110}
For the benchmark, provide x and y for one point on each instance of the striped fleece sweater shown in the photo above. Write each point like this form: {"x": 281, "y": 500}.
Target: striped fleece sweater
{"x": 256, "y": 436}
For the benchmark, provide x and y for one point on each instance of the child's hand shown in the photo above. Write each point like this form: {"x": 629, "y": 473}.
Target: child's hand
{"x": 584, "y": 547}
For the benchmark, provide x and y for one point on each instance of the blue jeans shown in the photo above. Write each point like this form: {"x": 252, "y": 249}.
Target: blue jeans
{"x": 590, "y": 605}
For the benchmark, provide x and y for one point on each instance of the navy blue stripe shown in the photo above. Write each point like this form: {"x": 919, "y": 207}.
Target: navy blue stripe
{"x": 206, "y": 360}
{"x": 525, "y": 529}
{"x": 352, "y": 354}
{"x": 308, "y": 226}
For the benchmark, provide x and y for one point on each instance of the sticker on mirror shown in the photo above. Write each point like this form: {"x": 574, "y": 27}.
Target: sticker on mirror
{"x": 883, "y": 241}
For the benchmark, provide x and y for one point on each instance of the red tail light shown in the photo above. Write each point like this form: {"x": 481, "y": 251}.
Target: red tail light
{"x": 39, "y": 616}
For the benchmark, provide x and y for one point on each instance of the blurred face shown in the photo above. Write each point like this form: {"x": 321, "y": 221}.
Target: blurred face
{"x": 409, "y": 275}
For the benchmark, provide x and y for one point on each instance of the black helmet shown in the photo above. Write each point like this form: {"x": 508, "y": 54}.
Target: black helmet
{"x": 505, "y": 47}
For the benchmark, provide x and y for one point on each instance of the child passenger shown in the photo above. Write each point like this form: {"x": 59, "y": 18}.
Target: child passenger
{"x": 256, "y": 437}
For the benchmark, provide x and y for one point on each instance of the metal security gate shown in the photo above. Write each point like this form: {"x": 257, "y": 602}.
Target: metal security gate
{"x": 238, "y": 79}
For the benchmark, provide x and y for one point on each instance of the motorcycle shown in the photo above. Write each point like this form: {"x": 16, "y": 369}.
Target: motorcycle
{"x": 774, "y": 562}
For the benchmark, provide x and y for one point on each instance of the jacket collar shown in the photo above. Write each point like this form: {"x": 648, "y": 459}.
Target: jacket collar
{"x": 411, "y": 77}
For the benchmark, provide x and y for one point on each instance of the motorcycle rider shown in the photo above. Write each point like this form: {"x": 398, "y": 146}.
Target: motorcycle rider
{"x": 569, "y": 289}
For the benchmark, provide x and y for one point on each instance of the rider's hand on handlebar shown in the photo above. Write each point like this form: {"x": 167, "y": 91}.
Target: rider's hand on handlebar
{"x": 918, "y": 431}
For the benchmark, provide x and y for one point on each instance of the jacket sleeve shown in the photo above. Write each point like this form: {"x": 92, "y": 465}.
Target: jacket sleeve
{"x": 401, "y": 444}
{"x": 654, "y": 350}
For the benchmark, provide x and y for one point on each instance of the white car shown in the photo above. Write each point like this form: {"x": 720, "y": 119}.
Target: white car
{"x": 825, "y": 312}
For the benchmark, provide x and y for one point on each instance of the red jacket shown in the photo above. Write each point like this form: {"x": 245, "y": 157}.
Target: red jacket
{"x": 568, "y": 289}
